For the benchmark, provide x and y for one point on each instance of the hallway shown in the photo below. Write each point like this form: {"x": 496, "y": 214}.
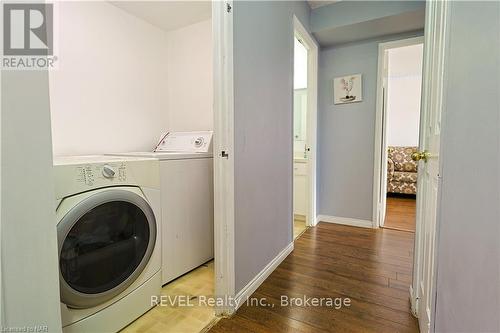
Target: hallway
{"x": 371, "y": 267}
{"x": 400, "y": 213}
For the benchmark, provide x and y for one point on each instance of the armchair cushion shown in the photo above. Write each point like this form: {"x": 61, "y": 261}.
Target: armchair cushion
{"x": 401, "y": 170}
{"x": 401, "y": 156}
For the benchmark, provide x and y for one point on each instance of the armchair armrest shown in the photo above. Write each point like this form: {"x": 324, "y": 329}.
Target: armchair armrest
{"x": 390, "y": 169}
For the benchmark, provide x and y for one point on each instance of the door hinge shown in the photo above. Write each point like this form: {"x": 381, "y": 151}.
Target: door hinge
{"x": 228, "y": 8}
{"x": 224, "y": 154}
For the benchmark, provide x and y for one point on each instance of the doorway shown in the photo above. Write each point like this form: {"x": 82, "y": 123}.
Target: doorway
{"x": 400, "y": 82}
{"x": 164, "y": 109}
{"x": 300, "y": 153}
{"x": 304, "y": 129}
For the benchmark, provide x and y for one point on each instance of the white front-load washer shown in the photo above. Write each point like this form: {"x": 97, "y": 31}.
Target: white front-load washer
{"x": 187, "y": 200}
{"x": 108, "y": 228}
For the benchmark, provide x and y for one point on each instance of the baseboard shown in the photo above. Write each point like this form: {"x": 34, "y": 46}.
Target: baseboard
{"x": 250, "y": 288}
{"x": 345, "y": 221}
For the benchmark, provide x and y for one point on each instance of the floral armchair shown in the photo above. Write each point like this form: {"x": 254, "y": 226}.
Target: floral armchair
{"x": 401, "y": 170}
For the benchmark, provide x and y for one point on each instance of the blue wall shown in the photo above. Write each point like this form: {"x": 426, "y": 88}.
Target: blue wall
{"x": 263, "y": 120}
{"x": 346, "y": 133}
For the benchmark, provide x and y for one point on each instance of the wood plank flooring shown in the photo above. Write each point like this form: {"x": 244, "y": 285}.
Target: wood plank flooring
{"x": 370, "y": 267}
{"x": 400, "y": 213}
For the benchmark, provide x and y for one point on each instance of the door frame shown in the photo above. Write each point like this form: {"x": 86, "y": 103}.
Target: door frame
{"x": 380, "y": 151}
{"x": 311, "y": 45}
{"x": 222, "y": 33}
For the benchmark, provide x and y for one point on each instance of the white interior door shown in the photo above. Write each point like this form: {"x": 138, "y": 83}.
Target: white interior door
{"x": 428, "y": 181}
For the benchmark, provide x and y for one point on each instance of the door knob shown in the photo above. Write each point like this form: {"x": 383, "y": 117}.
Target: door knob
{"x": 423, "y": 155}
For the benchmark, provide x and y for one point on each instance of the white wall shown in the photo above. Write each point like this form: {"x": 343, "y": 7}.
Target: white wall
{"x": 299, "y": 65}
{"x": 122, "y": 82}
{"x": 190, "y": 88}
{"x": 299, "y": 122}
{"x": 403, "y": 95}
{"x": 300, "y": 95}
{"x": 109, "y": 94}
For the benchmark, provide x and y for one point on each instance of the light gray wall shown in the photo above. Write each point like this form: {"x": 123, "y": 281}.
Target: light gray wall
{"x": 303, "y": 12}
{"x": 346, "y": 133}
{"x": 468, "y": 243}
{"x": 30, "y": 280}
{"x": 263, "y": 86}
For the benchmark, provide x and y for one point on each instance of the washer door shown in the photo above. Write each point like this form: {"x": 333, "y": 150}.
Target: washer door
{"x": 105, "y": 241}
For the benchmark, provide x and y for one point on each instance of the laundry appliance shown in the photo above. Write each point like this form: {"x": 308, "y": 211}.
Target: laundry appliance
{"x": 187, "y": 200}
{"x": 108, "y": 227}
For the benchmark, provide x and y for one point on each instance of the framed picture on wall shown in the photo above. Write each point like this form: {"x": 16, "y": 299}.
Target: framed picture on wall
{"x": 347, "y": 89}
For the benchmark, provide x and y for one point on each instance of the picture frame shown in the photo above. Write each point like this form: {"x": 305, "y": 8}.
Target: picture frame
{"x": 348, "y": 89}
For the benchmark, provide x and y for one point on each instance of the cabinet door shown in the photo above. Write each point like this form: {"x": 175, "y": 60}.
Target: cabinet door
{"x": 300, "y": 188}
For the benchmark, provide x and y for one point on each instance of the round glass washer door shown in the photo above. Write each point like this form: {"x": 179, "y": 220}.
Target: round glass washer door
{"x": 105, "y": 241}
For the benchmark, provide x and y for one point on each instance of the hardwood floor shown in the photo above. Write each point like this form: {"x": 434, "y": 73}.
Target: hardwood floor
{"x": 400, "y": 213}
{"x": 370, "y": 267}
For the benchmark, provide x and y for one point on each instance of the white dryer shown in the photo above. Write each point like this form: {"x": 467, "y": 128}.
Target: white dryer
{"x": 108, "y": 227}
{"x": 187, "y": 200}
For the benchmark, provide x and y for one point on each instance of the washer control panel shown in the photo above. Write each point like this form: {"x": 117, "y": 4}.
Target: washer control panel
{"x": 101, "y": 174}
{"x": 189, "y": 142}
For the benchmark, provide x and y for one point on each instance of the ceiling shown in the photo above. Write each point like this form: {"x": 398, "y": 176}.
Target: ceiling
{"x": 390, "y": 25}
{"x": 320, "y": 3}
{"x": 168, "y": 15}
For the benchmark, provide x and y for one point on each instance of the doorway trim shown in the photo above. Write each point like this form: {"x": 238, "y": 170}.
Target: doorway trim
{"x": 222, "y": 33}
{"x": 312, "y": 118}
{"x": 380, "y": 153}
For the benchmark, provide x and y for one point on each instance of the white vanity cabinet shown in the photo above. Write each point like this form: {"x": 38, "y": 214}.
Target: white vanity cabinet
{"x": 300, "y": 181}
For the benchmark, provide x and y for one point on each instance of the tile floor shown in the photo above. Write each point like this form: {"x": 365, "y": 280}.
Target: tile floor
{"x": 176, "y": 318}
{"x": 299, "y": 226}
